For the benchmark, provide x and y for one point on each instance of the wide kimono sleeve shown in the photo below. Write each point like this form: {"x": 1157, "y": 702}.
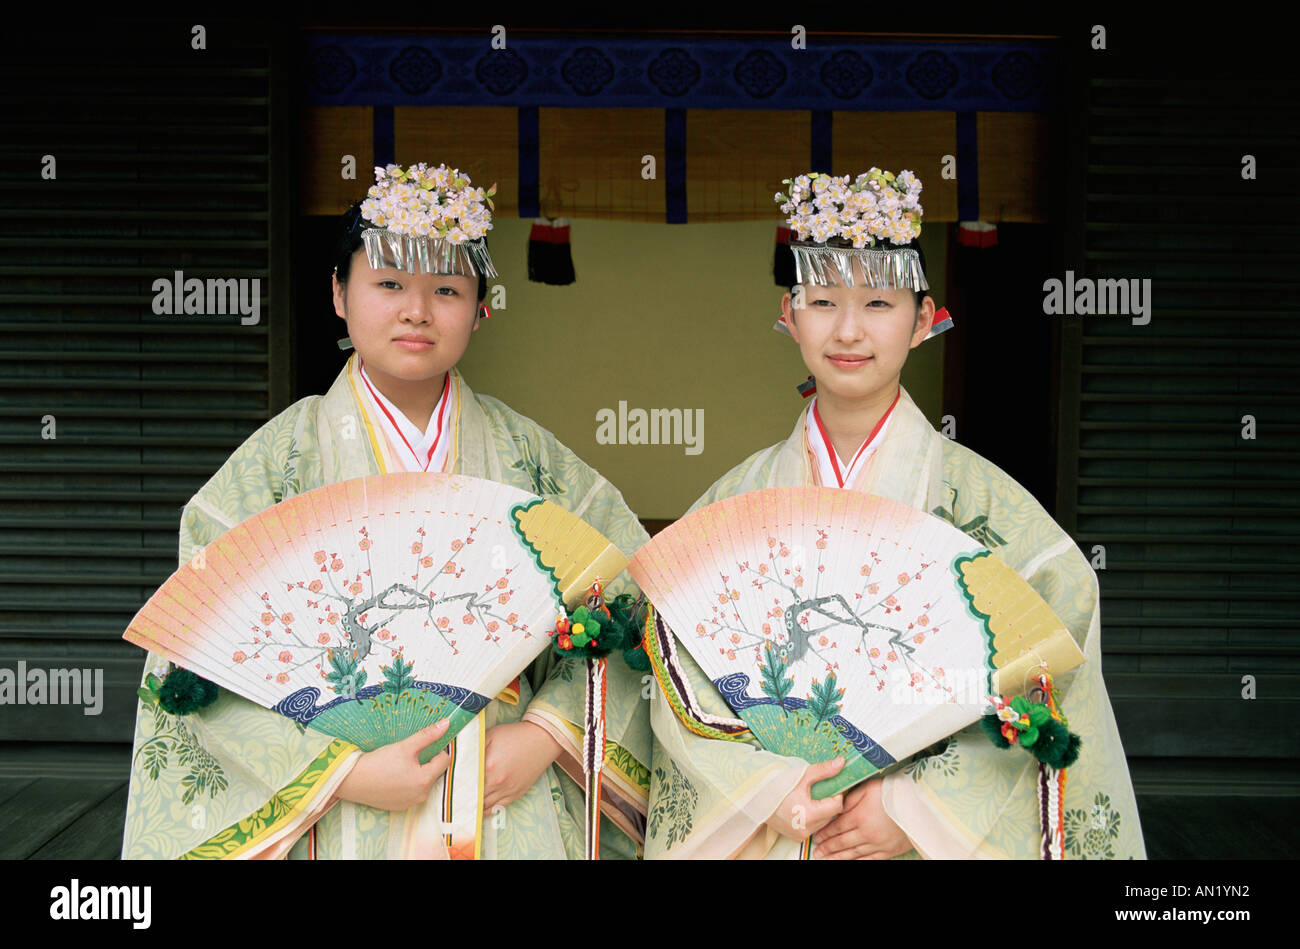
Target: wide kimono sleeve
{"x": 535, "y": 460}
{"x": 232, "y": 780}
{"x": 711, "y": 796}
{"x": 967, "y": 798}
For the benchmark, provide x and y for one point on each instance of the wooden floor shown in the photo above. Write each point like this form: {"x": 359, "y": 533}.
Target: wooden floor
{"x": 61, "y": 818}
{"x": 47, "y": 818}
{"x": 1189, "y": 827}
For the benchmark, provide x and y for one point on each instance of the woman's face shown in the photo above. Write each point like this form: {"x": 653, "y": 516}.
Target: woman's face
{"x": 855, "y": 340}
{"x": 408, "y": 328}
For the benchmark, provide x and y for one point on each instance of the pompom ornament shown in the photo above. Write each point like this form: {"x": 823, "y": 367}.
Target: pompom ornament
{"x": 180, "y": 692}
{"x": 591, "y": 632}
{"x": 1041, "y": 729}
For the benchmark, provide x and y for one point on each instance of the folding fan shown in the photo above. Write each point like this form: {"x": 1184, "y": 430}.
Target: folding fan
{"x": 837, "y": 623}
{"x": 371, "y": 608}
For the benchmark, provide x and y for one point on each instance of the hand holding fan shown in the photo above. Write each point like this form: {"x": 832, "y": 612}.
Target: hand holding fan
{"x": 371, "y": 608}
{"x": 837, "y": 623}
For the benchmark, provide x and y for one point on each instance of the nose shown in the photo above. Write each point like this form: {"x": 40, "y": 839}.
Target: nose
{"x": 850, "y": 327}
{"x": 415, "y": 309}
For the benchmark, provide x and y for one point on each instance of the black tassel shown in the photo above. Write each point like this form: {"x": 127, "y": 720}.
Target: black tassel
{"x": 783, "y": 261}
{"x": 550, "y": 259}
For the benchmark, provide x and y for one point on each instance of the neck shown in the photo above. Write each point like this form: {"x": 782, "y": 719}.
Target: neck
{"x": 849, "y": 422}
{"x": 415, "y": 400}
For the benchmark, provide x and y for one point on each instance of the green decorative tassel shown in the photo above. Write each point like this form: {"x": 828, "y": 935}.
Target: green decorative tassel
{"x": 582, "y": 635}
{"x": 992, "y": 726}
{"x": 180, "y": 692}
{"x": 1057, "y": 747}
{"x": 1047, "y": 739}
{"x": 636, "y": 658}
{"x": 602, "y": 635}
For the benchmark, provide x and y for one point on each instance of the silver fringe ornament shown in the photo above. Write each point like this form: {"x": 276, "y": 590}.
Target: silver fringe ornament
{"x": 427, "y": 254}
{"x": 885, "y": 268}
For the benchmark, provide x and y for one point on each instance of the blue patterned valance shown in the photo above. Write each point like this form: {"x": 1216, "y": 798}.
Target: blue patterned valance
{"x": 638, "y": 72}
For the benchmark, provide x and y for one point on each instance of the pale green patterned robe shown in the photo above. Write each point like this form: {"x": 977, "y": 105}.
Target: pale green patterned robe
{"x": 967, "y": 798}
{"x": 238, "y": 780}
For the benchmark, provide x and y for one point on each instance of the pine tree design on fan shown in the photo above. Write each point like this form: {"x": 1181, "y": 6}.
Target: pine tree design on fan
{"x": 353, "y": 624}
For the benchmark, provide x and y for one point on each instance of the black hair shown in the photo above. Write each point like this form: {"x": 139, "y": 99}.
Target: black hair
{"x": 920, "y": 294}
{"x": 349, "y": 242}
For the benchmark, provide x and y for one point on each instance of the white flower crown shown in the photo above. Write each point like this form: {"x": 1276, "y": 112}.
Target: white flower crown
{"x": 876, "y": 206}
{"x": 429, "y": 219}
{"x": 428, "y": 202}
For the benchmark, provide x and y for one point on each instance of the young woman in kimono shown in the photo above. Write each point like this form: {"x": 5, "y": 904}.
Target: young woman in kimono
{"x": 856, "y": 314}
{"x": 235, "y": 780}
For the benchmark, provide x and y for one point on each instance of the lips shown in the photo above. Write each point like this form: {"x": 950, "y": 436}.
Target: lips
{"x": 848, "y": 360}
{"x": 414, "y": 344}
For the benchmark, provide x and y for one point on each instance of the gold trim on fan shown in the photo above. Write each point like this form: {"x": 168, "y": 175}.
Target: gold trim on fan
{"x": 575, "y": 552}
{"x": 1026, "y": 633}
{"x": 1059, "y": 652}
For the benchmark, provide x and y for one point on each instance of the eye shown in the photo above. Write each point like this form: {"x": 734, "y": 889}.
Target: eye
{"x": 819, "y": 302}
{"x": 450, "y": 291}
{"x": 390, "y": 284}
{"x": 881, "y": 302}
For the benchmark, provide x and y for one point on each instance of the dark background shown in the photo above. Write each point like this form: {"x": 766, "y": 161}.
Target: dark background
{"x": 1199, "y": 525}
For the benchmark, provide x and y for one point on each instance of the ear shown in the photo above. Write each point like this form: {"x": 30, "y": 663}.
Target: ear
{"x": 479, "y": 312}
{"x": 787, "y": 311}
{"x": 924, "y": 320}
{"x": 340, "y": 297}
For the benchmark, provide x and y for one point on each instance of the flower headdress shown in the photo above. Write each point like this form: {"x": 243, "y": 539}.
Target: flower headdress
{"x": 838, "y": 220}
{"x": 427, "y": 218}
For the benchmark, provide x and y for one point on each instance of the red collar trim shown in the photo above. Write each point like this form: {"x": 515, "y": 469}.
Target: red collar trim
{"x": 830, "y": 449}
{"x": 442, "y": 412}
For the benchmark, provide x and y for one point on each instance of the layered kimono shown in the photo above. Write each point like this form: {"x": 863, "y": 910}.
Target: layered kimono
{"x": 964, "y": 797}
{"x": 235, "y": 780}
